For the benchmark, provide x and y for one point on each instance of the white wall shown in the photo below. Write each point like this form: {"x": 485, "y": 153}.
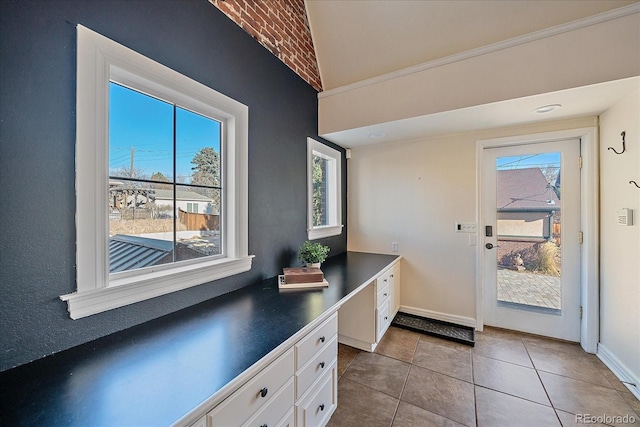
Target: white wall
{"x": 413, "y": 193}
{"x": 620, "y": 246}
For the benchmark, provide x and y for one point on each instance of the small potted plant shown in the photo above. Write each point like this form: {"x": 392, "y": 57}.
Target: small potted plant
{"x": 313, "y": 253}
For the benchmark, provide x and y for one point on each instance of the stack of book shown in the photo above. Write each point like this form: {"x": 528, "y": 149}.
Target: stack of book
{"x": 303, "y": 277}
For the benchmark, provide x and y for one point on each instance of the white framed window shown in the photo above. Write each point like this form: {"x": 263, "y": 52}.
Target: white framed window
{"x": 135, "y": 167}
{"x": 324, "y": 190}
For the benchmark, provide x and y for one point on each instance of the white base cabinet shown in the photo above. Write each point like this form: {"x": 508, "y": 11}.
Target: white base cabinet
{"x": 364, "y": 318}
{"x": 298, "y": 388}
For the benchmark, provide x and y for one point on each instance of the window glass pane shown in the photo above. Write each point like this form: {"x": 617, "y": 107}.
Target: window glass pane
{"x": 197, "y": 149}
{"x": 320, "y": 191}
{"x": 153, "y": 218}
{"x": 198, "y": 222}
{"x": 529, "y": 251}
{"x": 140, "y": 135}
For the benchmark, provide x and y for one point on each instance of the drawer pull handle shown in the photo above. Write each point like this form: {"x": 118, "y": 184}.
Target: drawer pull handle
{"x": 264, "y": 392}
{"x": 385, "y": 295}
{"x": 264, "y": 425}
{"x": 321, "y": 407}
{"x": 392, "y": 276}
{"x": 322, "y": 338}
{"x": 322, "y": 365}
{"x": 386, "y": 318}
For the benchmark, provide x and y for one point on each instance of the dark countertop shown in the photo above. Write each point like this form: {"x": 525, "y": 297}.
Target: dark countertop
{"x": 155, "y": 373}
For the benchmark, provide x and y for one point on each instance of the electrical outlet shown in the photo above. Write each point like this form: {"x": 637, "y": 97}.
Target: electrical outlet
{"x": 394, "y": 246}
{"x": 465, "y": 227}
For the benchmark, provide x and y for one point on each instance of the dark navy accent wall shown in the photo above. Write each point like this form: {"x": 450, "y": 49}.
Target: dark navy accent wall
{"x": 37, "y": 138}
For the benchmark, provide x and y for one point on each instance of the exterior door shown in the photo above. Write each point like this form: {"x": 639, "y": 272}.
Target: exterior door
{"x": 531, "y": 267}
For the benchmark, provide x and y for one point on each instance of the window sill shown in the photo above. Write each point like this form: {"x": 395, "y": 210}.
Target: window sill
{"x": 150, "y": 285}
{"x": 327, "y": 231}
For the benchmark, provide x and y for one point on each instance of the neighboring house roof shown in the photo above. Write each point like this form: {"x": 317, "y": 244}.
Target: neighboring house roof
{"x": 129, "y": 252}
{"x": 525, "y": 190}
{"x": 181, "y": 195}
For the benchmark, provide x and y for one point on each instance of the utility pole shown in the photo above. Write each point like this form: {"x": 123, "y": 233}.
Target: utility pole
{"x": 133, "y": 150}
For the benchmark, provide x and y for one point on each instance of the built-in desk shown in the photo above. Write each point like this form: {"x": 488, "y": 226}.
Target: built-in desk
{"x": 171, "y": 369}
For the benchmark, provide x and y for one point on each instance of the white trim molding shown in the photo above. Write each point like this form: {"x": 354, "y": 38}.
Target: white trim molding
{"x": 620, "y": 370}
{"x": 334, "y": 190}
{"x": 589, "y": 218}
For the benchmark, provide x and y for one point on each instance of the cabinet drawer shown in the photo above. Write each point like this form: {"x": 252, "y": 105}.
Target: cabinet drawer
{"x": 248, "y": 399}
{"x": 308, "y": 346}
{"x": 384, "y": 291}
{"x": 316, "y": 367}
{"x": 384, "y": 319}
{"x": 276, "y": 409}
{"x": 316, "y": 408}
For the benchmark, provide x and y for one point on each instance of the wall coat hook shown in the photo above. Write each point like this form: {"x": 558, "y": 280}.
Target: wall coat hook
{"x": 624, "y": 147}
{"x": 634, "y": 183}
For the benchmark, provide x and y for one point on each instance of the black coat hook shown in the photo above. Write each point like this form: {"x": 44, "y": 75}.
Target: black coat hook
{"x": 624, "y": 148}
{"x": 634, "y": 183}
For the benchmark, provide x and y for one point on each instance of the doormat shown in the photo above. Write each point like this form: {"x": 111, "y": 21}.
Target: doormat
{"x": 436, "y": 328}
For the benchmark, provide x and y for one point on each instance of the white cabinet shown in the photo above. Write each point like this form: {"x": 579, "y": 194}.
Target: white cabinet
{"x": 365, "y": 317}
{"x": 316, "y": 374}
{"x": 298, "y": 388}
{"x": 394, "y": 283}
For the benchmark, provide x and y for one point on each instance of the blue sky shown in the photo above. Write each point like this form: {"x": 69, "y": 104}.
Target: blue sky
{"x": 146, "y": 124}
{"x": 529, "y": 161}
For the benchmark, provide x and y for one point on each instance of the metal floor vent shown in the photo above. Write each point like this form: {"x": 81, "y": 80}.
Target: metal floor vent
{"x": 436, "y": 328}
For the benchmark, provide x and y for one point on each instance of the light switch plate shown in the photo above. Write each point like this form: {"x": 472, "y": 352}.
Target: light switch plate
{"x": 465, "y": 227}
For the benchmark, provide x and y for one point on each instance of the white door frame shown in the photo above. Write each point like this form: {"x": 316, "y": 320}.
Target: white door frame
{"x": 589, "y": 222}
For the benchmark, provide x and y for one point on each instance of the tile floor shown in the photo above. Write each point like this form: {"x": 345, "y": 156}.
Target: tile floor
{"x": 507, "y": 379}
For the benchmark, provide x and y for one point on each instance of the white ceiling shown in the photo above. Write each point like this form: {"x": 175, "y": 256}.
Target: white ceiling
{"x": 361, "y": 39}
{"x": 578, "y": 102}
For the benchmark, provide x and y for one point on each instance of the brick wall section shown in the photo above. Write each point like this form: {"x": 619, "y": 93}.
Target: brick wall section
{"x": 282, "y": 27}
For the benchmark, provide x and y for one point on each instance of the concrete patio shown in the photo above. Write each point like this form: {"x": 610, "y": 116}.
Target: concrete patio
{"x": 528, "y": 288}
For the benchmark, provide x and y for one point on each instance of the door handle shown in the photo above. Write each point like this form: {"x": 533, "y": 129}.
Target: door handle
{"x": 491, "y": 246}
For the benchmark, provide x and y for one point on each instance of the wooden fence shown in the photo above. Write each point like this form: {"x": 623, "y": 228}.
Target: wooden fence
{"x": 198, "y": 221}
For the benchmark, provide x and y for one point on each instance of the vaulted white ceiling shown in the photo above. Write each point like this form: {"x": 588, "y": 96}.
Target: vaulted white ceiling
{"x": 359, "y": 40}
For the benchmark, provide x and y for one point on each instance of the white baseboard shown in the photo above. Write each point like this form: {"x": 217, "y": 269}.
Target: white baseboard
{"x": 435, "y": 315}
{"x": 352, "y": 342}
{"x": 619, "y": 369}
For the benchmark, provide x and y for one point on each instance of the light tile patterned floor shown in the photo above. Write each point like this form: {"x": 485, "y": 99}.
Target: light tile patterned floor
{"x": 527, "y": 288}
{"x": 507, "y": 379}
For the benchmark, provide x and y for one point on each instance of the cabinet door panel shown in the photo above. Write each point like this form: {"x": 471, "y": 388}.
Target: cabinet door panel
{"x": 318, "y": 406}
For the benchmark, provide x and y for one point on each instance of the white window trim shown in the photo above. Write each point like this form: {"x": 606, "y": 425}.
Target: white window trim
{"x": 335, "y": 190}
{"x": 99, "y": 60}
